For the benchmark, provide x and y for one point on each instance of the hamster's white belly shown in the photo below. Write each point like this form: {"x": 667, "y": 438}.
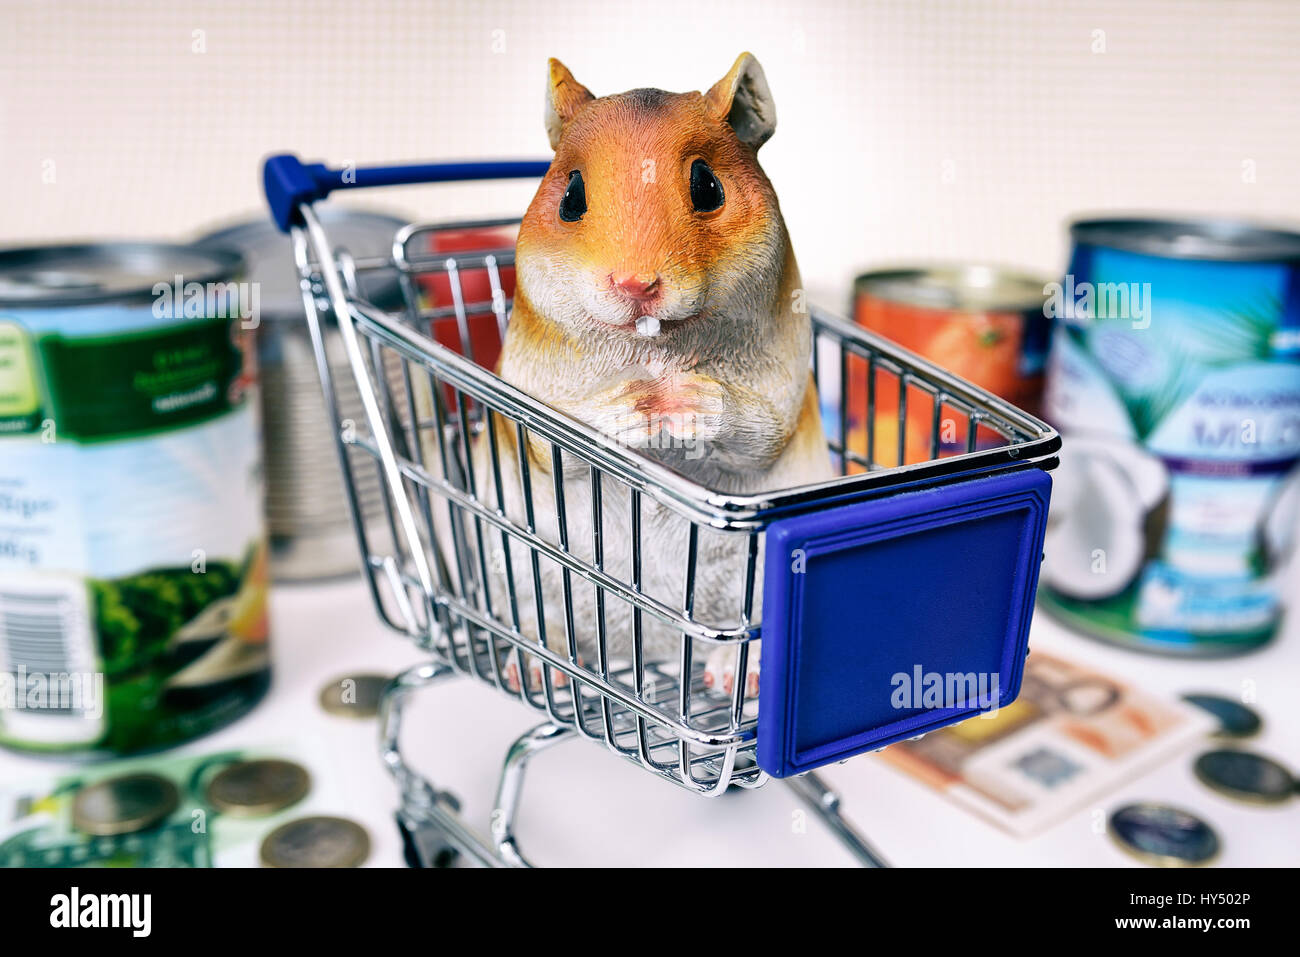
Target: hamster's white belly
{"x": 720, "y": 568}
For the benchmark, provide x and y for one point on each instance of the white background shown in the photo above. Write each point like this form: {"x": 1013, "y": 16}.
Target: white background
{"x": 906, "y": 129}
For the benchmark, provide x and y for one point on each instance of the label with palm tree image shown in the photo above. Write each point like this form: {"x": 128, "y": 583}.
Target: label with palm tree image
{"x": 1175, "y": 508}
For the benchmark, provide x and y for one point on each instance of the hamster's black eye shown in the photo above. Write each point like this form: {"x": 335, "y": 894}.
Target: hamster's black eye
{"x": 706, "y": 191}
{"x": 574, "y": 202}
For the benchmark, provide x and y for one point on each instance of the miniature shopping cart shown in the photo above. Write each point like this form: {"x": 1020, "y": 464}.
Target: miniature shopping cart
{"x": 921, "y": 558}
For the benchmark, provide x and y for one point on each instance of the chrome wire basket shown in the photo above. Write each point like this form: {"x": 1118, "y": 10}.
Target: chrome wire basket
{"x": 467, "y": 567}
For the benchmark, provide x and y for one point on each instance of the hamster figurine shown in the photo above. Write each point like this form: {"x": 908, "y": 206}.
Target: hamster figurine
{"x": 657, "y": 300}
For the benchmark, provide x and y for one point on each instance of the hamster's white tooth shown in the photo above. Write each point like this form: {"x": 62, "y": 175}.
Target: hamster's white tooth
{"x": 647, "y": 326}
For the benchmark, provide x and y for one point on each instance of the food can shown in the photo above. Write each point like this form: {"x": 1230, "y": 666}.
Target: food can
{"x": 475, "y": 293}
{"x": 983, "y": 323}
{"x": 1174, "y": 378}
{"x": 307, "y": 511}
{"x": 133, "y": 564}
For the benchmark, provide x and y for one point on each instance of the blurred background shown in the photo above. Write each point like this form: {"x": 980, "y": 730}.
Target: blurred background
{"x": 905, "y": 129}
{"x": 910, "y": 135}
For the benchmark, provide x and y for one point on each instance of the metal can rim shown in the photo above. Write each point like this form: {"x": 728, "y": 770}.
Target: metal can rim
{"x": 1203, "y": 238}
{"x": 222, "y": 264}
{"x": 987, "y": 287}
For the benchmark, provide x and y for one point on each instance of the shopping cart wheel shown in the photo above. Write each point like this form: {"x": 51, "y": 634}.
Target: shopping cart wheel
{"x": 423, "y": 844}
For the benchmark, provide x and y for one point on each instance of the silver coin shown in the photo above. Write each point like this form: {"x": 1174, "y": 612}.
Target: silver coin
{"x": 316, "y": 842}
{"x": 1245, "y": 776}
{"x": 354, "y": 695}
{"x": 1164, "y": 836}
{"x": 124, "y": 805}
{"x": 1235, "y": 719}
{"x": 258, "y": 788}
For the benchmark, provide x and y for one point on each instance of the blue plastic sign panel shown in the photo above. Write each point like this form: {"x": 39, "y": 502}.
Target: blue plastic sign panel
{"x": 886, "y": 619}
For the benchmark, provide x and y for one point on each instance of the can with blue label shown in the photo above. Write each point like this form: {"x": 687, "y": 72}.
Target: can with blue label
{"x": 1174, "y": 377}
{"x": 133, "y": 565}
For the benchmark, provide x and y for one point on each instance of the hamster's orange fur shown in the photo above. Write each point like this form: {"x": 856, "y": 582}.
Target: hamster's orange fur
{"x": 728, "y": 370}
{"x": 679, "y": 330}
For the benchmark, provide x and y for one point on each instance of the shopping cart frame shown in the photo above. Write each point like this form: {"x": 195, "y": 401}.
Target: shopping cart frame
{"x": 412, "y": 584}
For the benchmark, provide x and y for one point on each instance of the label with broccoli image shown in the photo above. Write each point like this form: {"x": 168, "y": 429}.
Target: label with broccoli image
{"x": 133, "y": 560}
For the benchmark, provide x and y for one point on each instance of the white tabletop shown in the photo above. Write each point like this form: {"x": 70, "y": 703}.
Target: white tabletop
{"x": 582, "y": 805}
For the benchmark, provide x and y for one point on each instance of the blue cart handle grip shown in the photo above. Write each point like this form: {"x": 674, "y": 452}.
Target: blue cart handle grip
{"x": 289, "y": 182}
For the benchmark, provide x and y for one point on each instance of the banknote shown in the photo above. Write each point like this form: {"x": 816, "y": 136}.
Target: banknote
{"x": 1072, "y": 736}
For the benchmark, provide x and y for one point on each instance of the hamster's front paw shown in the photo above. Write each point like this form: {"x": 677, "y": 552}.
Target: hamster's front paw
{"x": 691, "y": 406}
{"x": 623, "y": 411}
{"x": 678, "y": 408}
{"x": 720, "y": 669}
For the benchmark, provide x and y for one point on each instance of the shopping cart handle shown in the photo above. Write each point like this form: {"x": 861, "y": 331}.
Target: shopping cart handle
{"x": 289, "y": 182}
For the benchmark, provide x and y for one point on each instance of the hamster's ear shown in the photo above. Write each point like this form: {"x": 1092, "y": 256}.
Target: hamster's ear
{"x": 744, "y": 101}
{"x": 565, "y": 96}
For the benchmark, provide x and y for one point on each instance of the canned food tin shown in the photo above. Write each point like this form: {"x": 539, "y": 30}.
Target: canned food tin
{"x": 984, "y": 323}
{"x": 475, "y": 293}
{"x": 133, "y": 567}
{"x": 306, "y": 508}
{"x": 1175, "y": 379}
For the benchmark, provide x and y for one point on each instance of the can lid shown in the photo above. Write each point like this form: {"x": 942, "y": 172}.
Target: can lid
{"x": 102, "y": 272}
{"x": 966, "y": 288}
{"x": 269, "y": 255}
{"x": 1215, "y": 239}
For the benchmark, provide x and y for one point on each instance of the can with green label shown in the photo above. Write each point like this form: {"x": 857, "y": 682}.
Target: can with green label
{"x": 133, "y": 565}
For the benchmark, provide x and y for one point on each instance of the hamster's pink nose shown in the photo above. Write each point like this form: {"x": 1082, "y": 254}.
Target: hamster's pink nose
{"x": 640, "y": 285}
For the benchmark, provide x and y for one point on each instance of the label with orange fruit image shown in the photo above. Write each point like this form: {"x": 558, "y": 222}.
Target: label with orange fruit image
{"x": 980, "y": 323}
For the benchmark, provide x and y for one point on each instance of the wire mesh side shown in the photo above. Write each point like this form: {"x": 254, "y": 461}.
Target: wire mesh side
{"x": 534, "y": 529}
{"x": 542, "y": 588}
